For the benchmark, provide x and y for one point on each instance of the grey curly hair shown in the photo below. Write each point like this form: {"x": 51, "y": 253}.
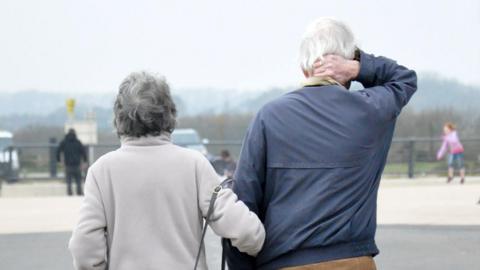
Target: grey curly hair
{"x": 144, "y": 106}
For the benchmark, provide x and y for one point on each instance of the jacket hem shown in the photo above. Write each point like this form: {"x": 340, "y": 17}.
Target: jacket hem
{"x": 322, "y": 254}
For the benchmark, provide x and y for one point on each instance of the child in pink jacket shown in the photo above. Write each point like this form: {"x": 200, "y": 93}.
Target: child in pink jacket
{"x": 455, "y": 148}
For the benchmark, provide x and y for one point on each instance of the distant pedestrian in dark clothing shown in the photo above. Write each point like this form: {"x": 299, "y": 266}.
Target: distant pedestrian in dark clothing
{"x": 73, "y": 153}
{"x": 225, "y": 165}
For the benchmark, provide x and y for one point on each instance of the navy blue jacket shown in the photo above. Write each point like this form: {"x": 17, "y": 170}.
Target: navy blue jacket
{"x": 311, "y": 163}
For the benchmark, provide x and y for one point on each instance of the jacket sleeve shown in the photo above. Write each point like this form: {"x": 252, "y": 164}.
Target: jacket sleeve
{"x": 388, "y": 86}
{"x": 248, "y": 184}
{"x": 88, "y": 244}
{"x": 231, "y": 218}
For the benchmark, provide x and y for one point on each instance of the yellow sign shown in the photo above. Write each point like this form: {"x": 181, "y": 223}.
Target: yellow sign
{"x": 70, "y": 106}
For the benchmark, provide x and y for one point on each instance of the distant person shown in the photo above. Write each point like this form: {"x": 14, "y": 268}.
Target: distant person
{"x": 452, "y": 143}
{"x": 229, "y": 163}
{"x": 312, "y": 159}
{"x": 224, "y": 165}
{"x": 73, "y": 155}
{"x": 144, "y": 203}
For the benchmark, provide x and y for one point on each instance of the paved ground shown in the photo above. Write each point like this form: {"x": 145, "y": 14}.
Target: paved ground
{"x": 425, "y": 224}
{"x": 407, "y": 247}
{"x": 402, "y": 248}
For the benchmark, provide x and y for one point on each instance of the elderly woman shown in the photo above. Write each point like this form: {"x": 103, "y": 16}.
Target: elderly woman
{"x": 145, "y": 202}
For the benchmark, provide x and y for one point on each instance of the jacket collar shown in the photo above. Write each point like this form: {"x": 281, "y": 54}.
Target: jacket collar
{"x": 162, "y": 139}
{"x": 317, "y": 81}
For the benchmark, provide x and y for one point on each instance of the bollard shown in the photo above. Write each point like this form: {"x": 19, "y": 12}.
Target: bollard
{"x": 90, "y": 154}
{"x": 1, "y": 177}
{"x": 411, "y": 159}
{"x": 9, "y": 170}
{"x": 53, "y": 157}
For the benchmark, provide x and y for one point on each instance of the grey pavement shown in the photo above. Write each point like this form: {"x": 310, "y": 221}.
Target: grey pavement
{"x": 424, "y": 224}
{"x": 406, "y": 247}
{"x": 403, "y": 247}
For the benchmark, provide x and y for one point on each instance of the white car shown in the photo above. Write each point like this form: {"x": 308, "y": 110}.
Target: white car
{"x": 189, "y": 138}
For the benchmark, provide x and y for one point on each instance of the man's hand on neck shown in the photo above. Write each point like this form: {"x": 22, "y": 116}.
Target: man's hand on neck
{"x": 338, "y": 68}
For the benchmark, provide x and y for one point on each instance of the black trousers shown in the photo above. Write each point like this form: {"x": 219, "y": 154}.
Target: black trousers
{"x": 74, "y": 173}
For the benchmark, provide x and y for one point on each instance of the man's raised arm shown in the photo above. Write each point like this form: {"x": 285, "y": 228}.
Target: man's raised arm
{"x": 388, "y": 85}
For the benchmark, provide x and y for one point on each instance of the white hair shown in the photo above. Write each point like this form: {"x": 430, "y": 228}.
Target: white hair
{"x": 325, "y": 36}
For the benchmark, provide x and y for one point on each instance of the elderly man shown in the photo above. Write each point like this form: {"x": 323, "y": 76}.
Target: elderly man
{"x": 312, "y": 159}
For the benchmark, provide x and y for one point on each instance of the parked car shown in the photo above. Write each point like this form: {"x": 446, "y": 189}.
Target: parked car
{"x": 9, "y": 163}
{"x": 189, "y": 138}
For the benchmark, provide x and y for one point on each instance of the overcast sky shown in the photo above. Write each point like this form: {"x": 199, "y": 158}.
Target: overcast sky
{"x": 91, "y": 45}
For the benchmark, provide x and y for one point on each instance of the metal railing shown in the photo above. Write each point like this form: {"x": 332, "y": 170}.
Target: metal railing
{"x": 407, "y": 157}
{"x": 417, "y": 156}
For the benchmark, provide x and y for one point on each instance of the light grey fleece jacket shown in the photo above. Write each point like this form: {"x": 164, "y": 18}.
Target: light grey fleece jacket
{"x": 144, "y": 207}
